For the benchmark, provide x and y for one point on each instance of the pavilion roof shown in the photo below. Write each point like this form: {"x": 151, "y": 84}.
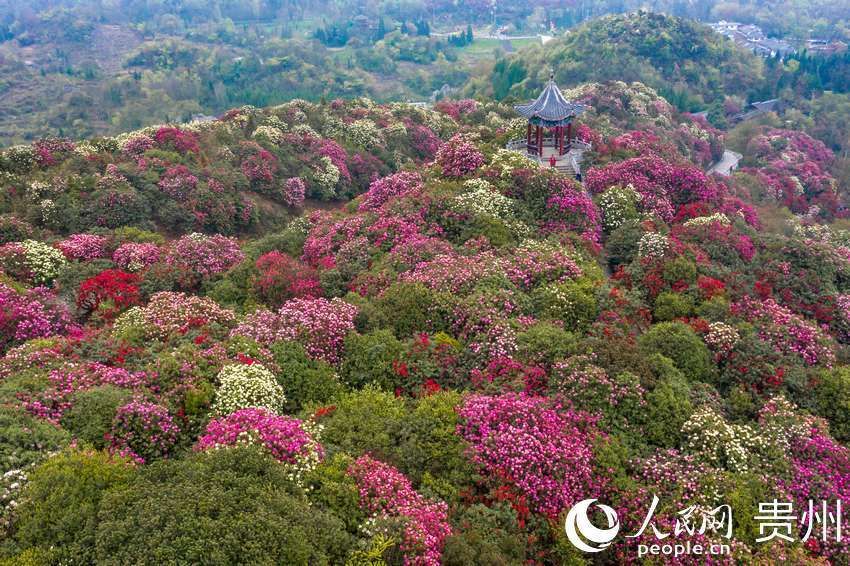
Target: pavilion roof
{"x": 550, "y": 108}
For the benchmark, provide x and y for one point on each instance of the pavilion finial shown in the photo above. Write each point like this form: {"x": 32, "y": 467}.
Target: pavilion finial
{"x": 552, "y": 74}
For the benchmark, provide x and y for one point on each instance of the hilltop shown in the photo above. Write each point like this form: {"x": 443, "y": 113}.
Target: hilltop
{"x": 681, "y": 57}
{"x": 349, "y": 332}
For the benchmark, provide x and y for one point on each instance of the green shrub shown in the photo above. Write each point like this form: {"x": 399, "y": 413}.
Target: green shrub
{"x": 668, "y": 406}
{"x": 408, "y": 308}
{"x": 832, "y": 400}
{"x": 622, "y": 243}
{"x": 232, "y": 506}
{"x": 363, "y": 422}
{"x": 680, "y": 269}
{"x": 91, "y": 413}
{"x": 429, "y": 451}
{"x": 573, "y": 302}
{"x": 544, "y": 343}
{"x": 62, "y": 500}
{"x": 332, "y": 489}
{"x": 681, "y": 344}
{"x": 670, "y": 305}
{"x": 487, "y": 535}
{"x": 25, "y": 439}
{"x": 305, "y": 381}
{"x": 369, "y": 359}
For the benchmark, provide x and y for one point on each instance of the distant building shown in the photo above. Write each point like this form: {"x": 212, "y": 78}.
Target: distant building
{"x": 824, "y": 47}
{"x": 753, "y": 38}
{"x": 757, "y": 109}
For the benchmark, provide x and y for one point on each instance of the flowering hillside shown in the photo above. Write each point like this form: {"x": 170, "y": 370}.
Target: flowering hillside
{"x": 349, "y": 333}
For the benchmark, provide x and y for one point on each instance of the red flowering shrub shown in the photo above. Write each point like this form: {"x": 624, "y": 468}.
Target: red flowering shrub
{"x": 282, "y": 277}
{"x": 174, "y": 138}
{"x": 117, "y": 288}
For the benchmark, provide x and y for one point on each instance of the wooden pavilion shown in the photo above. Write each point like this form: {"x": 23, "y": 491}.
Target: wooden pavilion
{"x": 553, "y": 112}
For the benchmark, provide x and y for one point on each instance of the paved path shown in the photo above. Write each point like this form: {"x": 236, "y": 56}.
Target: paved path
{"x": 727, "y": 163}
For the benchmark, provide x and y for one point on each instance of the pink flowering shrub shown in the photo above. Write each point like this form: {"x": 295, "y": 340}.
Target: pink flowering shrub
{"x": 533, "y": 444}
{"x": 458, "y": 157}
{"x": 661, "y": 184}
{"x": 260, "y": 165}
{"x": 284, "y": 437}
{"x": 138, "y": 145}
{"x": 424, "y": 141}
{"x": 53, "y": 401}
{"x": 134, "y": 256}
{"x": 382, "y": 190}
{"x": 168, "y": 313}
{"x": 178, "y": 182}
{"x": 319, "y": 324}
{"x": 293, "y": 192}
{"x": 143, "y": 432}
{"x": 529, "y": 267}
{"x": 795, "y": 171}
{"x": 84, "y": 247}
{"x": 787, "y": 332}
{"x": 204, "y": 256}
{"x": 386, "y": 494}
{"x": 571, "y": 208}
{"x": 36, "y": 313}
{"x": 50, "y": 151}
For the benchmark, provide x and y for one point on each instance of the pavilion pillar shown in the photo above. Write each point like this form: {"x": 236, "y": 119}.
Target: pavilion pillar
{"x": 528, "y": 137}
{"x": 570, "y": 134}
{"x": 539, "y": 141}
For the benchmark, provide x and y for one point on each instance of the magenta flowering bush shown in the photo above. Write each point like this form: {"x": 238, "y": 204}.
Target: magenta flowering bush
{"x": 382, "y": 190}
{"x": 178, "y": 182}
{"x": 458, "y": 157}
{"x": 386, "y": 494}
{"x": 204, "y": 256}
{"x": 287, "y": 439}
{"x": 787, "y": 332}
{"x": 293, "y": 192}
{"x": 35, "y": 313}
{"x": 84, "y": 247}
{"x": 319, "y": 324}
{"x": 260, "y": 165}
{"x": 134, "y": 256}
{"x": 533, "y": 444}
{"x": 53, "y": 401}
{"x": 143, "y": 432}
{"x": 571, "y": 208}
{"x": 661, "y": 184}
{"x": 182, "y": 141}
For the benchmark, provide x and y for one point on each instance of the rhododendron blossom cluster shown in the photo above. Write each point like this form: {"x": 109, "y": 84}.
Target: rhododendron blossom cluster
{"x": 287, "y": 439}
{"x": 541, "y": 448}
{"x": 386, "y": 493}
{"x": 319, "y": 324}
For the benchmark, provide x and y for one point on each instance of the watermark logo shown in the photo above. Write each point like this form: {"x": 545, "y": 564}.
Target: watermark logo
{"x": 580, "y": 529}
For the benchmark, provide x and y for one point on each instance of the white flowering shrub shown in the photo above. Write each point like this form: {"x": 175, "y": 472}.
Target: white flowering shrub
{"x": 244, "y": 386}
{"x": 483, "y": 200}
{"x": 653, "y": 245}
{"x": 44, "y": 261}
{"x": 617, "y": 205}
{"x": 505, "y": 161}
{"x": 327, "y": 178}
{"x": 269, "y": 133}
{"x": 716, "y": 218}
{"x": 363, "y": 133}
{"x": 737, "y": 448}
